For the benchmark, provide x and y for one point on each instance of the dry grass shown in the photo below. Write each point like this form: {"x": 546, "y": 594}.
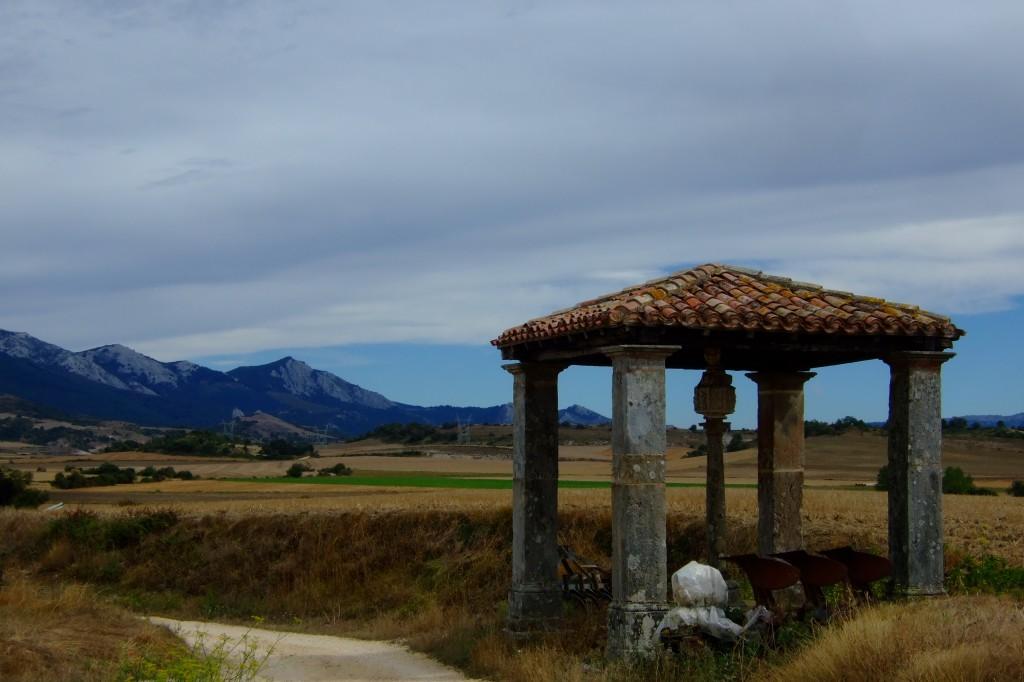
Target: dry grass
{"x": 973, "y": 525}
{"x": 67, "y": 633}
{"x": 960, "y": 638}
{"x": 435, "y": 576}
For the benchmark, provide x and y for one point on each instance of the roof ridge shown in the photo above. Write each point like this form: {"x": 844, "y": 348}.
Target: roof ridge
{"x": 651, "y": 282}
{"x": 732, "y": 297}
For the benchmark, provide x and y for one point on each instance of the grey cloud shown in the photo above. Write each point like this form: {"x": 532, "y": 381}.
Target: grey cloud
{"x": 435, "y": 171}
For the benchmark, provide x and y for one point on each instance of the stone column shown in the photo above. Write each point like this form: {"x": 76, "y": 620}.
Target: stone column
{"x": 714, "y": 502}
{"x": 915, "y": 471}
{"x": 639, "y": 555}
{"x": 714, "y": 398}
{"x": 780, "y": 459}
{"x": 535, "y": 599}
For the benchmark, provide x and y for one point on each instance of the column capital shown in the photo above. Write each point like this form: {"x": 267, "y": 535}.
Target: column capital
{"x": 639, "y": 351}
{"x": 927, "y": 360}
{"x": 552, "y": 368}
{"x": 715, "y": 426}
{"x": 781, "y": 381}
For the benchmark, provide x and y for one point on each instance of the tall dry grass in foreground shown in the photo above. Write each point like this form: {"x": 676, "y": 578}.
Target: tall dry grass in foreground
{"x": 439, "y": 579}
{"x": 67, "y": 633}
{"x": 961, "y": 638}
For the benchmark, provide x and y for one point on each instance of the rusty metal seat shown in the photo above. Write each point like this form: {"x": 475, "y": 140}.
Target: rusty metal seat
{"x": 582, "y": 581}
{"x": 766, "y": 574}
{"x": 862, "y": 568}
{"x": 816, "y": 573}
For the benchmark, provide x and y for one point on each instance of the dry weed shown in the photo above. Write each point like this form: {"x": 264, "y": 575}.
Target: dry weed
{"x": 66, "y": 632}
{"x": 959, "y": 638}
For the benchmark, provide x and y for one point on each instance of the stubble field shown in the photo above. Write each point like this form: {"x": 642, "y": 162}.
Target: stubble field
{"x": 837, "y": 504}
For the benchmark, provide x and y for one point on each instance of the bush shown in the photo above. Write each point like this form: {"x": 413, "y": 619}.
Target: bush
{"x": 1017, "y": 489}
{"x": 986, "y": 574}
{"x": 338, "y": 469}
{"x": 813, "y": 427}
{"x": 15, "y": 490}
{"x": 153, "y": 475}
{"x": 279, "y": 448}
{"x": 86, "y": 529}
{"x": 735, "y": 443}
{"x": 954, "y": 482}
{"x": 884, "y": 479}
{"x": 296, "y": 470}
{"x": 104, "y": 474}
{"x": 699, "y": 451}
{"x": 410, "y": 433}
{"x": 205, "y": 443}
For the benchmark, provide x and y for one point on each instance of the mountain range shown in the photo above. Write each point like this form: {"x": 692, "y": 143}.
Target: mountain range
{"x": 115, "y": 382}
{"x": 1011, "y": 421}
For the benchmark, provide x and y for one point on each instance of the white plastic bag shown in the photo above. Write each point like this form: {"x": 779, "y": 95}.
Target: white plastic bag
{"x": 700, "y": 591}
{"x": 710, "y": 619}
{"x": 697, "y": 584}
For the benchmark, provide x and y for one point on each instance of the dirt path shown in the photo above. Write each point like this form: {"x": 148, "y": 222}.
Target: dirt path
{"x": 297, "y": 657}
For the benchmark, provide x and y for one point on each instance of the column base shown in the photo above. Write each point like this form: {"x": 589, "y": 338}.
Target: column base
{"x": 632, "y": 630}
{"x": 918, "y": 592}
{"x": 533, "y": 611}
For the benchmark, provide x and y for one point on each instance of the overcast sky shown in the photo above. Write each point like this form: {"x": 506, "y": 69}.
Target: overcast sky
{"x": 213, "y": 179}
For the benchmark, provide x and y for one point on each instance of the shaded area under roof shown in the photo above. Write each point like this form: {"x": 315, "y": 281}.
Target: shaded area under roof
{"x": 759, "y": 321}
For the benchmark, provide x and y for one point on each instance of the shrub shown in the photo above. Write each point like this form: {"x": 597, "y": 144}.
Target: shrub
{"x": 410, "y": 433}
{"x": 104, "y": 474}
{"x": 986, "y": 574}
{"x": 279, "y": 448}
{"x": 296, "y": 470}
{"x": 956, "y": 482}
{"x": 813, "y": 427}
{"x": 884, "y": 479}
{"x": 30, "y": 498}
{"x": 15, "y": 490}
{"x": 87, "y": 530}
{"x": 699, "y": 451}
{"x": 735, "y": 443}
{"x": 181, "y": 443}
{"x": 338, "y": 469}
{"x": 1017, "y": 489}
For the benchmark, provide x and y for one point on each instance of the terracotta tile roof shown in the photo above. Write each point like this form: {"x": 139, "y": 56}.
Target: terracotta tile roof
{"x": 725, "y": 297}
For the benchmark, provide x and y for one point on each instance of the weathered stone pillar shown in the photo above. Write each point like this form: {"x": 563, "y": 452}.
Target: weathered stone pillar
{"x": 639, "y": 556}
{"x": 714, "y": 398}
{"x": 780, "y": 459}
{"x": 915, "y": 471}
{"x": 535, "y": 599}
{"x": 714, "y": 501}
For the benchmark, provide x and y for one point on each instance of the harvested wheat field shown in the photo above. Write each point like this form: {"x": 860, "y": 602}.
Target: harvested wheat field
{"x": 853, "y": 457}
{"x": 973, "y": 524}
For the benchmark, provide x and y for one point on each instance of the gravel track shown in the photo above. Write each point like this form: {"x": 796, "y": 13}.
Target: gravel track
{"x": 299, "y": 657}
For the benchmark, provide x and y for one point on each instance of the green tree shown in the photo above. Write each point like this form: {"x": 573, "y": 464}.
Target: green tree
{"x": 955, "y": 424}
{"x": 884, "y": 479}
{"x": 15, "y": 490}
{"x": 296, "y": 470}
{"x": 956, "y": 482}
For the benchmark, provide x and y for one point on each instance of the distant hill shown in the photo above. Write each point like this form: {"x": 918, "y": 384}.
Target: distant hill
{"x": 1011, "y": 421}
{"x": 117, "y": 383}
